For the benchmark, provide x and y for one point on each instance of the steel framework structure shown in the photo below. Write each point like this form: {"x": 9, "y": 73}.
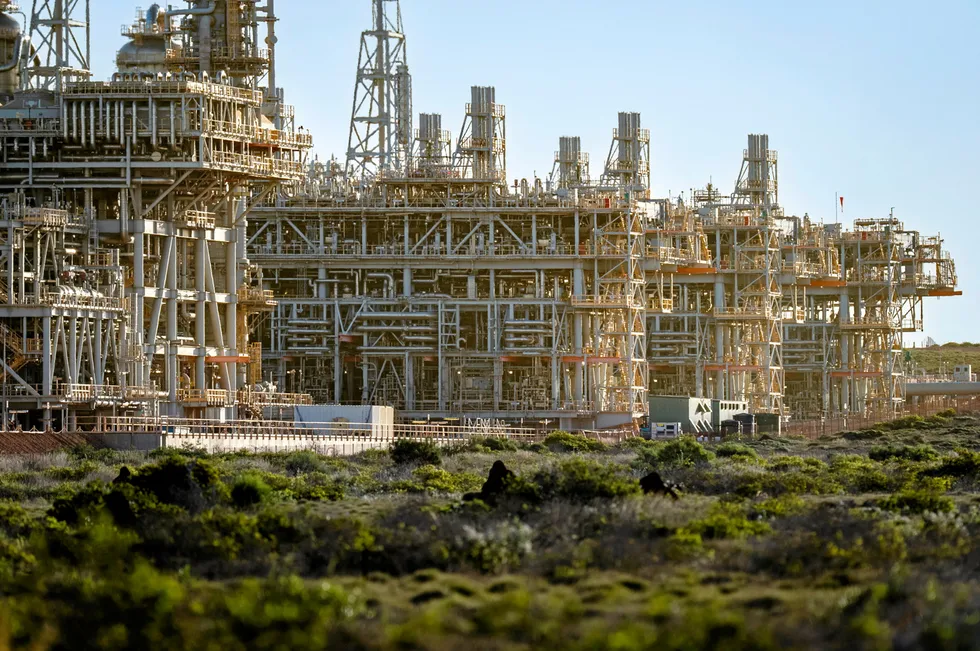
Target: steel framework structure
{"x": 437, "y": 287}
{"x": 150, "y": 224}
{"x": 126, "y": 288}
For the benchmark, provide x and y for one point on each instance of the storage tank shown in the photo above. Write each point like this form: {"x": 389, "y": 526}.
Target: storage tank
{"x": 146, "y": 51}
{"x": 148, "y": 56}
{"x": 11, "y": 44}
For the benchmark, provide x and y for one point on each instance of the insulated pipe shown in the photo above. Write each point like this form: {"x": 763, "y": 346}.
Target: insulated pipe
{"x": 196, "y": 11}
{"x": 389, "y": 282}
{"x": 204, "y": 47}
{"x": 173, "y": 125}
{"x": 942, "y": 389}
{"x": 120, "y": 123}
{"x": 10, "y": 65}
{"x": 154, "y": 140}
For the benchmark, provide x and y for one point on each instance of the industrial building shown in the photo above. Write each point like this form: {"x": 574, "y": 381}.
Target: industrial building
{"x": 169, "y": 248}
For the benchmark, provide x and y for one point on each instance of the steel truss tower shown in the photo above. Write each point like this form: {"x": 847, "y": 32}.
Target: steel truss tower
{"x": 59, "y": 44}
{"x": 381, "y": 118}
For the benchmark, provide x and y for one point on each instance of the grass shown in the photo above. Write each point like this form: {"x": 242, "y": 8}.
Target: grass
{"x": 936, "y": 359}
{"x": 787, "y": 543}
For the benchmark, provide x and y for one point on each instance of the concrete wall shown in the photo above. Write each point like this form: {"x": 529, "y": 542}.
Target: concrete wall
{"x": 381, "y": 419}
{"x": 333, "y": 446}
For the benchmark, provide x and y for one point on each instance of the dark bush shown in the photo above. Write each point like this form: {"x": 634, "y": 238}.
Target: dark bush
{"x": 863, "y": 435}
{"x": 965, "y": 463}
{"x": 405, "y": 451}
{"x": 737, "y": 451}
{"x": 903, "y": 453}
{"x": 191, "y": 484}
{"x": 249, "y": 490}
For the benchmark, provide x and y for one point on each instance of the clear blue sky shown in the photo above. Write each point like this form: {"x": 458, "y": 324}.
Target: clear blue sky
{"x": 875, "y": 100}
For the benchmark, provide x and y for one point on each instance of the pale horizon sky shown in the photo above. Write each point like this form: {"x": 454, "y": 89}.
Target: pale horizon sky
{"x": 875, "y": 100}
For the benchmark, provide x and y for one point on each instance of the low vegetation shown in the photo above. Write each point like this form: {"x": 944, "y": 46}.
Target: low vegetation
{"x": 865, "y": 540}
{"x": 942, "y": 359}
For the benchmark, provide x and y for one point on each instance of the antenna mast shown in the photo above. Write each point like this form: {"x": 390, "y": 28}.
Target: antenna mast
{"x": 381, "y": 118}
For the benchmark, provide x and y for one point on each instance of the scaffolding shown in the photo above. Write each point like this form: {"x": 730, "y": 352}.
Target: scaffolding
{"x": 123, "y": 204}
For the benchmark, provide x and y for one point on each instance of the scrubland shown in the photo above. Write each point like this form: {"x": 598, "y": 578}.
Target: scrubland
{"x": 863, "y": 540}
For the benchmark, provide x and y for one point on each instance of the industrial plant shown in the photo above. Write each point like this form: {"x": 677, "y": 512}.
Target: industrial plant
{"x": 170, "y": 247}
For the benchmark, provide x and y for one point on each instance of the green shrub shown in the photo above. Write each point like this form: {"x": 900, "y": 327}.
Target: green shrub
{"x": 684, "y": 545}
{"x": 917, "y": 502}
{"x": 903, "y": 453}
{"x": 801, "y": 482}
{"x": 737, "y": 451}
{"x": 15, "y": 521}
{"x": 302, "y": 462}
{"x": 584, "y": 480}
{"x": 792, "y": 462}
{"x": 249, "y": 490}
{"x": 405, "y": 451}
{"x": 779, "y": 507}
{"x": 858, "y": 474}
{"x": 429, "y": 478}
{"x": 536, "y": 447}
{"x": 75, "y": 472}
{"x": 726, "y": 521}
{"x": 332, "y": 491}
{"x": 636, "y": 443}
{"x": 681, "y": 451}
{"x": 749, "y": 485}
{"x": 86, "y": 452}
{"x": 906, "y": 422}
{"x": 126, "y": 504}
{"x": 561, "y": 441}
{"x": 497, "y": 444}
{"x": 964, "y": 463}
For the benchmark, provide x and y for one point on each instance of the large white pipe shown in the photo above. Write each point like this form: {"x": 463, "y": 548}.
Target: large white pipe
{"x": 942, "y": 389}
{"x": 196, "y": 11}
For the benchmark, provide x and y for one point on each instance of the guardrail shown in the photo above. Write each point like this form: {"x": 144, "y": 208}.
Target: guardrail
{"x": 814, "y": 428}
{"x": 271, "y": 429}
{"x": 168, "y": 87}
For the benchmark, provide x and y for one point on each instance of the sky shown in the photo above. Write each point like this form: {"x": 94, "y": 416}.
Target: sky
{"x": 876, "y": 101}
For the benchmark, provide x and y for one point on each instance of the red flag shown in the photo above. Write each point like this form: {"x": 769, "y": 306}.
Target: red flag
{"x": 842, "y": 204}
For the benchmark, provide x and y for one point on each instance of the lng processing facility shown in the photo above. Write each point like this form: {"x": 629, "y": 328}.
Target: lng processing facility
{"x": 171, "y": 248}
